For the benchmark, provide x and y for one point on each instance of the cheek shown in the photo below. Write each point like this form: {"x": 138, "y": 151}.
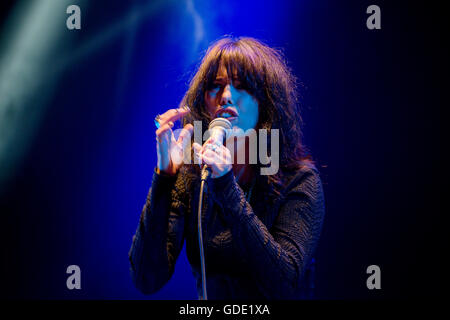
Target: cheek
{"x": 210, "y": 99}
{"x": 252, "y": 109}
{"x": 251, "y": 113}
{"x": 254, "y": 113}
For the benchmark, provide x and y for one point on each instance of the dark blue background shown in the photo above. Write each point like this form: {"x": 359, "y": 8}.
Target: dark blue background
{"x": 369, "y": 101}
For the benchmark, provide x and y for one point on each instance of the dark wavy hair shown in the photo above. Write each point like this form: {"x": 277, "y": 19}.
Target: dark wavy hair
{"x": 264, "y": 73}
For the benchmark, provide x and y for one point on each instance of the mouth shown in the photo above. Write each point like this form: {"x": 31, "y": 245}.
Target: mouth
{"x": 228, "y": 113}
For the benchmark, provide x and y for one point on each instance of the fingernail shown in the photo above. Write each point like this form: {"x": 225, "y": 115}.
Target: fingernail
{"x": 186, "y": 108}
{"x": 170, "y": 124}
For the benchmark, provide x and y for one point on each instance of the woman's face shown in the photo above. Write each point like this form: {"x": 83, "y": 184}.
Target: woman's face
{"x": 227, "y": 99}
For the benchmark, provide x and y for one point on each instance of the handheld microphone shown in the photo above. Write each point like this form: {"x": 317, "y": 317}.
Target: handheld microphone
{"x": 219, "y": 128}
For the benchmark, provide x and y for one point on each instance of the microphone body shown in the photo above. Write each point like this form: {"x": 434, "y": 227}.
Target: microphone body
{"x": 220, "y": 129}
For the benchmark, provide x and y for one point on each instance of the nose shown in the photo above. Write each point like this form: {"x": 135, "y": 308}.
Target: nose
{"x": 226, "y": 97}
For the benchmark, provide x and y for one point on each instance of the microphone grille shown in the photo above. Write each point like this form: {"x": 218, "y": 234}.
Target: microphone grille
{"x": 222, "y": 125}
{"x": 220, "y": 122}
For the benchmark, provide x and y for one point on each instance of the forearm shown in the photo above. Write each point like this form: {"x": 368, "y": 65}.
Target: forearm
{"x": 150, "y": 266}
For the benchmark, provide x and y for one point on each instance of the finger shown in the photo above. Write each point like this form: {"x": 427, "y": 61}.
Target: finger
{"x": 207, "y": 159}
{"x": 164, "y": 130}
{"x": 209, "y": 153}
{"x": 197, "y": 148}
{"x": 213, "y": 140}
{"x": 213, "y": 147}
{"x": 173, "y": 115}
{"x": 209, "y": 141}
{"x": 216, "y": 156}
{"x": 185, "y": 135}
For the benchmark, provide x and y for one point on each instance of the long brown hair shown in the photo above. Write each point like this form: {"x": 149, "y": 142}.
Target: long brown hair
{"x": 264, "y": 73}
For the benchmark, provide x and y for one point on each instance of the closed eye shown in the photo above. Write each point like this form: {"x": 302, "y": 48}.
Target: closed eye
{"x": 213, "y": 88}
{"x": 239, "y": 85}
{"x": 236, "y": 84}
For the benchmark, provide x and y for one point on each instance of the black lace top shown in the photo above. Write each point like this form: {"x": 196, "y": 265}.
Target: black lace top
{"x": 260, "y": 249}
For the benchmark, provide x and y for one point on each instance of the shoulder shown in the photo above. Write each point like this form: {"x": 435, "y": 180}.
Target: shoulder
{"x": 305, "y": 180}
{"x": 304, "y": 195}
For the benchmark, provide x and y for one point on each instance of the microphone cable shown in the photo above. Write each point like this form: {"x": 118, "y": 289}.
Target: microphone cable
{"x": 220, "y": 127}
{"x": 204, "y": 176}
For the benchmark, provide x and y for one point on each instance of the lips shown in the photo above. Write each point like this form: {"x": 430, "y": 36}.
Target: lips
{"x": 227, "y": 113}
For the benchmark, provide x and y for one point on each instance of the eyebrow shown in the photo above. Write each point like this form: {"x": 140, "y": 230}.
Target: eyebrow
{"x": 223, "y": 78}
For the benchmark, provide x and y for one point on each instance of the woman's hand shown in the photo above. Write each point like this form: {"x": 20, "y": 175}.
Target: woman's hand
{"x": 170, "y": 151}
{"x": 215, "y": 155}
